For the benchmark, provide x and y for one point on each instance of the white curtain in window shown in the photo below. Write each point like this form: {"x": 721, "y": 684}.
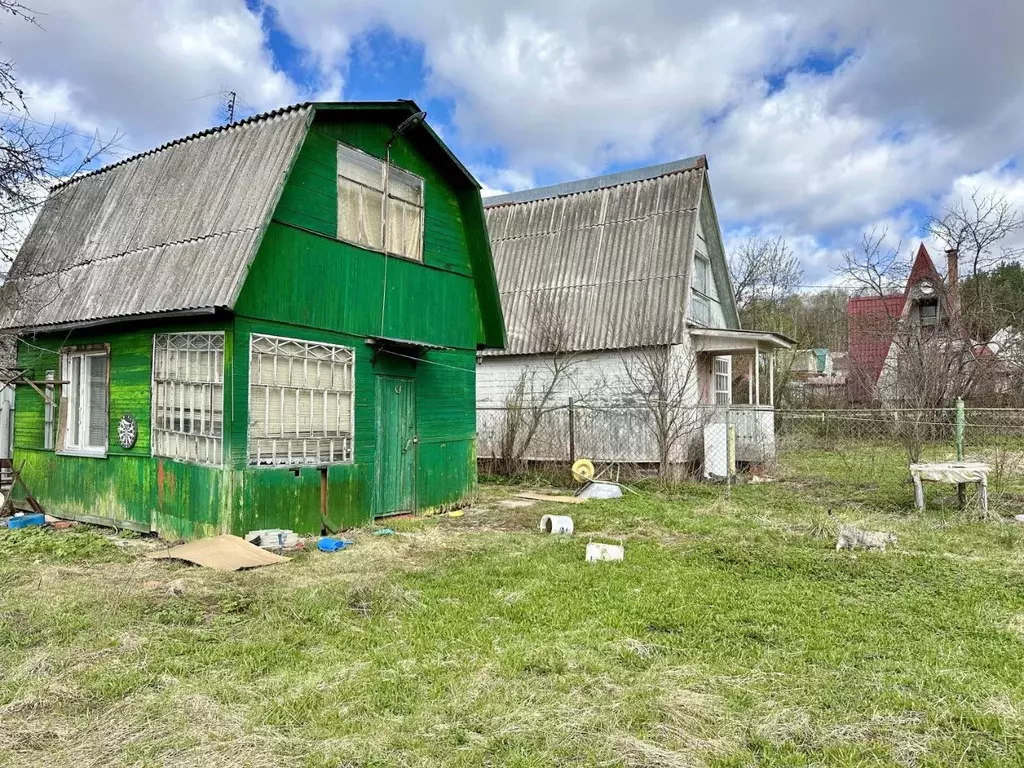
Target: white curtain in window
{"x": 86, "y": 426}
{"x": 360, "y": 197}
{"x": 405, "y": 214}
{"x": 300, "y": 402}
{"x": 188, "y": 397}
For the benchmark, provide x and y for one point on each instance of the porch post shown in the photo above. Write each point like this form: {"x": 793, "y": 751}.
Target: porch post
{"x": 771, "y": 379}
{"x": 757, "y": 374}
{"x": 750, "y": 381}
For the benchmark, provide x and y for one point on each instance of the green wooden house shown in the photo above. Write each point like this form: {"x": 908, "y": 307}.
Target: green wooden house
{"x": 271, "y": 324}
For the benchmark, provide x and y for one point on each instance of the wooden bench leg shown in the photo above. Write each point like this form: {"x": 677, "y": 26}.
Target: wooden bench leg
{"x": 983, "y": 495}
{"x": 918, "y": 494}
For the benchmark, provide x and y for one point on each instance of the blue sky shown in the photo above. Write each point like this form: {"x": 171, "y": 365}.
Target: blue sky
{"x": 819, "y": 120}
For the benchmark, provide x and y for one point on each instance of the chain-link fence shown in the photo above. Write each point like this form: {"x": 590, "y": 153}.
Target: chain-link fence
{"x": 856, "y": 454}
{"x": 630, "y": 440}
{"x": 866, "y": 452}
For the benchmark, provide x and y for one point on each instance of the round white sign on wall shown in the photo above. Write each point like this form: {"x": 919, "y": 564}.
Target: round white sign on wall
{"x": 127, "y": 431}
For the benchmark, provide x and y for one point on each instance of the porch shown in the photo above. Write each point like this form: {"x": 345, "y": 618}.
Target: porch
{"x": 753, "y": 421}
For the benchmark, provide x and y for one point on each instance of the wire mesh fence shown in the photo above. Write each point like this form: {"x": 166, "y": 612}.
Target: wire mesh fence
{"x": 866, "y": 452}
{"x": 631, "y": 440}
{"x": 859, "y": 455}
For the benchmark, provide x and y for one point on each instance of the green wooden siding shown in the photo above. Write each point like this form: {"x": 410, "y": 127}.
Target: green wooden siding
{"x": 438, "y": 305}
{"x": 313, "y": 281}
{"x": 128, "y": 486}
{"x": 304, "y": 284}
{"x": 445, "y": 383}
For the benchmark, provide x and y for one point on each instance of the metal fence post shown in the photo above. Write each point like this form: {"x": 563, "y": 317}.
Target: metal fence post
{"x": 959, "y": 434}
{"x": 729, "y": 443}
{"x": 961, "y": 488}
{"x": 572, "y": 433}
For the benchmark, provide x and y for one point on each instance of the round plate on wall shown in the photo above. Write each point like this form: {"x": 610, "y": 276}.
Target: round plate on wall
{"x": 127, "y": 431}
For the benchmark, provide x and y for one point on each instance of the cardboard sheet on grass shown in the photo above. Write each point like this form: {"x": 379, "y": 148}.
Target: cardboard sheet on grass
{"x": 222, "y": 553}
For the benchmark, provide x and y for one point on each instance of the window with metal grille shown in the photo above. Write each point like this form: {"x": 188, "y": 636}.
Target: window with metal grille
{"x": 188, "y": 397}
{"x": 84, "y": 427}
{"x": 723, "y": 380}
{"x": 363, "y": 187}
{"x": 300, "y": 402}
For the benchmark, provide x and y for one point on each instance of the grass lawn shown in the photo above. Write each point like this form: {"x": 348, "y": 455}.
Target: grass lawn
{"x": 733, "y": 634}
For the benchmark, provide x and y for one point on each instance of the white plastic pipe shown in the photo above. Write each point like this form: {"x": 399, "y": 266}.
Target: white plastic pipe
{"x": 556, "y": 524}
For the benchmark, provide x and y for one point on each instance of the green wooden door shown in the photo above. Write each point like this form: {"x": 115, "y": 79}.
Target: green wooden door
{"x": 396, "y": 445}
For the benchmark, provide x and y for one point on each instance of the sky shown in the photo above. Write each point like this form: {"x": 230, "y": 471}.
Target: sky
{"x": 819, "y": 120}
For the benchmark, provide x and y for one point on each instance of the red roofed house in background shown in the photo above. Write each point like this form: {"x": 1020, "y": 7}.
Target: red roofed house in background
{"x": 927, "y": 303}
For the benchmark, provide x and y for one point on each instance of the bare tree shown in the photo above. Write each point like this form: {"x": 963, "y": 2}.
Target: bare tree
{"x": 33, "y": 155}
{"x": 875, "y": 268}
{"x": 976, "y": 227}
{"x": 765, "y": 272}
{"x": 662, "y": 380}
{"x": 533, "y": 395}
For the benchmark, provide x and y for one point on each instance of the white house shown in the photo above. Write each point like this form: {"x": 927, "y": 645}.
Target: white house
{"x": 598, "y": 275}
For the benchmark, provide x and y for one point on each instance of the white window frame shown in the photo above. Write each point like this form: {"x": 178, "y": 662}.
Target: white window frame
{"x": 309, "y": 447}
{"x": 73, "y": 395}
{"x": 703, "y": 289}
{"x": 188, "y": 395}
{"x": 49, "y": 413}
{"x": 700, "y": 293}
{"x": 721, "y": 379}
{"x": 389, "y": 199}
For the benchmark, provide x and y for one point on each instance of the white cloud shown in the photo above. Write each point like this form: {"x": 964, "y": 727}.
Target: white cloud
{"x": 142, "y": 67}
{"x": 928, "y": 99}
{"x": 931, "y": 92}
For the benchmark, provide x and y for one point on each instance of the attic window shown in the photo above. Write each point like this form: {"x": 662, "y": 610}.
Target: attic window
{"x": 701, "y": 274}
{"x": 701, "y": 287}
{"x": 362, "y": 183}
{"x": 300, "y": 402}
{"x": 188, "y": 397}
{"x": 929, "y": 312}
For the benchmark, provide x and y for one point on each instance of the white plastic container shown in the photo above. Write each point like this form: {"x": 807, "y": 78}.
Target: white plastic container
{"x": 598, "y": 551}
{"x": 556, "y": 524}
{"x": 274, "y": 538}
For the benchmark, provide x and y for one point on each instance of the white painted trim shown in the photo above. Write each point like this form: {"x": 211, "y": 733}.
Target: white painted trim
{"x": 224, "y": 403}
{"x": 248, "y": 399}
{"x": 83, "y": 453}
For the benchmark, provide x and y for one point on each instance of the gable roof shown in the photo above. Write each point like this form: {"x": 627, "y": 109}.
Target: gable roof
{"x": 175, "y": 229}
{"x": 923, "y": 269}
{"x": 872, "y": 324}
{"x": 574, "y": 260}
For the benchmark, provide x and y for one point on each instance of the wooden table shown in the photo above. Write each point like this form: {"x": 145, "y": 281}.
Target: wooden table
{"x": 954, "y": 472}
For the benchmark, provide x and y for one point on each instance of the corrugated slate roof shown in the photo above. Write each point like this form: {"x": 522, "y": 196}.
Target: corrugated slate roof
{"x": 582, "y": 266}
{"x": 170, "y": 230}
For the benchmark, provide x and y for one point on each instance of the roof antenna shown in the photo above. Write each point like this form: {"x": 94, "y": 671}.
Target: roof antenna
{"x": 231, "y": 106}
{"x": 410, "y": 122}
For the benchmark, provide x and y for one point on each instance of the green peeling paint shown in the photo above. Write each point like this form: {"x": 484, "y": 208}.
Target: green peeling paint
{"x": 305, "y": 284}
